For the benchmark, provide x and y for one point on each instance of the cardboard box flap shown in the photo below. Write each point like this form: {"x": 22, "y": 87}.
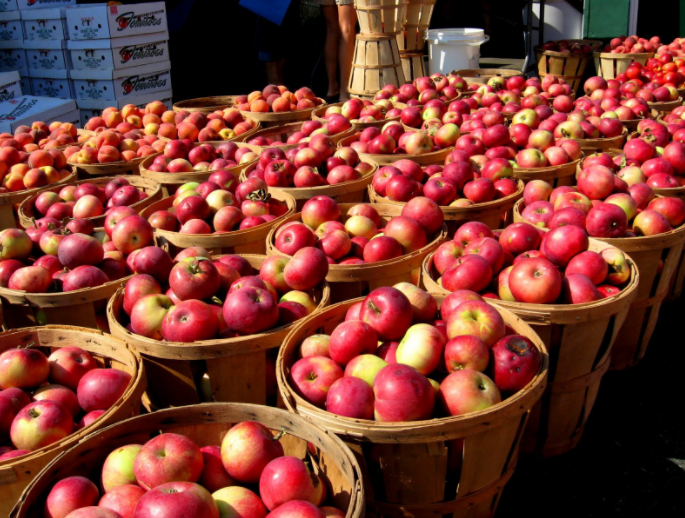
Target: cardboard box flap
{"x": 117, "y": 43}
{"x": 11, "y": 44}
{"x": 29, "y": 109}
{"x": 56, "y": 73}
{"x": 46, "y": 13}
{"x": 100, "y": 104}
{"x": 10, "y": 16}
{"x": 45, "y": 44}
{"x": 109, "y": 75}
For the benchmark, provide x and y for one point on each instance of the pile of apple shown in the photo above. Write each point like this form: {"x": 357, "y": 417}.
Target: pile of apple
{"x": 603, "y": 203}
{"x": 613, "y": 94}
{"x": 360, "y": 239}
{"x": 170, "y": 476}
{"x": 198, "y": 127}
{"x": 394, "y": 139}
{"x": 363, "y": 110}
{"x": 86, "y": 200}
{"x": 311, "y": 164}
{"x": 111, "y": 146}
{"x": 182, "y": 156}
{"x": 277, "y": 99}
{"x": 632, "y": 45}
{"x": 128, "y": 118}
{"x": 49, "y": 258}
{"x": 427, "y": 365}
{"x": 20, "y": 170}
{"x": 196, "y": 298}
{"x": 42, "y": 136}
{"x": 673, "y": 119}
{"x": 673, "y": 49}
{"x": 44, "y": 399}
{"x": 524, "y": 264}
{"x": 565, "y": 47}
{"x": 334, "y": 125}
{"x": 423, "y": 89}
{"x": 454, "y": 185}
{"x": 219, "y": 205}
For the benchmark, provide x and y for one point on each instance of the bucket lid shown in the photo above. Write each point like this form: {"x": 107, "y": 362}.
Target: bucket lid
{"x": 460, "y": 34}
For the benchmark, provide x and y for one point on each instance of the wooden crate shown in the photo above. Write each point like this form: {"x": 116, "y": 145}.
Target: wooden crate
{"x": 569, "y": 67}
{"x": 434, "y": 157}
{"x": 271, "y": 119}
{"x": 206, "y": 425}
{"x": 235, "y": 368}
{"x": 27, "y": 209}
{"x": 244, "y": 241}
{"x": 609, "y": 65}
{"x": 169, "y": 182}
{"x": 205, "y": 105}
{"x": 413, "y": 65}
{"x": 376, "y": 63}
{"x": 453, "y": 466}
{"x": 495, "y": 214}
{"x": 579, "y": 338}
{"x": 280, "y": 135}
{"x": 347, "y": 192}
{"x": 348, "y": 281}
{"x": 10, "y": 201}
{"x": 380, "y": 16}
{"x": 657, "y": 259}
{"x": 17, "y": 473}
{"x": 416, "y": 23}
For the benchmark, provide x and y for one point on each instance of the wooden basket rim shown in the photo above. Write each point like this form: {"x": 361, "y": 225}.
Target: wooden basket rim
{"x": 63, "y": 299}
{"x": 205, "y": 349}
{"x": 445, "y": 428}
{"x": 132, "y": 179}
{"x": 12, "y": 198}
{"x": 184, "y": 105}
{"x": 227, "y": 238}
{"x": 283, "y": 117}
{"x": 133, "y": 164}
{"x": 631, "y": 56}
{"x": 76, "y": 436}
{"x": 212, "y": 413}
{"x": 305, "y": 193}
{"x": 431, "y": 157}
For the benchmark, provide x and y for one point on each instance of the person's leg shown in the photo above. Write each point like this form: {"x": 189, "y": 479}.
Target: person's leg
{"x": 330, "y": 51}
{"x": 347, "y": 18}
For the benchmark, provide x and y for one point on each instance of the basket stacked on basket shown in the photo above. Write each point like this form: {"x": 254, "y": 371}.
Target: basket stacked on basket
{"x": 413, "y": 37}
{"x": 567, "y": 65}
{"x": 376, "y": 61}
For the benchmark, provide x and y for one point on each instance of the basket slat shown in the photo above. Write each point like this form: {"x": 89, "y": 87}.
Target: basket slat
{"x": 610, "y": 65}
{"x": 376, "y": 63}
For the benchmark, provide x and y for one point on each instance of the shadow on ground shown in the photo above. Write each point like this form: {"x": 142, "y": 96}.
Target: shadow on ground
{"x": 631, "y": 460}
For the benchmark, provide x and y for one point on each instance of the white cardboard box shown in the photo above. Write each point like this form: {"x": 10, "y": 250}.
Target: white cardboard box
{"x": 115, "y": 21}
{"x": 8, "y": 5}
{"x": 113, "y": 85}
{"x": 119, "y": 53}
{"x": 27, "y": 109}
{"x": 47, "y": 54}
{"x": 51, "y": 83}
{"x": 44, "y": 24}
{"x": 93, "y": 107}
{"x": 10, "y": 86}
{"x": 10, "y": 26}
{"x": 12, "y": 55}
{"x": 73, "y": 116}
{"x": 25, "y": 81}
{"x": 34, "y": 5}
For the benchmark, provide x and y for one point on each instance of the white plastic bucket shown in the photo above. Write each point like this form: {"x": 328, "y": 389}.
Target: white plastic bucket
{"x": 454, "y": 49}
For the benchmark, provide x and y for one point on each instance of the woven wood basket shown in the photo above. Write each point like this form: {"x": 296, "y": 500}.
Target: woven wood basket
{"x": 413, "y": 65}
{"x": 449, "y": 467}
{"x": 434, "y": 157}
{"x": 380, "y": 16}
{"x": 610, "y": 65}
{"x": 206, "y": 425}
{"x": 235, "y": 368}
{"x": 205, "y": 105}
{"x": 579, "y": 338}
{"x": 376, "y": 63}
{"x": 16, "y": 474}
{"x": 416, "y": 23}
{"x": 569, "y": 67}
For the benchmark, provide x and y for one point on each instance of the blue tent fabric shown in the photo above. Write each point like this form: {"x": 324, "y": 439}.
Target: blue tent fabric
{"x": 272, "y": 10}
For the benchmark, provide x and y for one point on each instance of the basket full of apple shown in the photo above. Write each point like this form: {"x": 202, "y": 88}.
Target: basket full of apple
{"x": 212, "y": 322}
{"x": 218, "y": 126}
{"x": 366, "y": 245}
{"x": 276, "y": 105}
{"x": 92, "y": 199}
{"x": 442, "y": 370}
{"x": 574, "y": 291}
{"x": 566, "y": 58}
{"x": 63, "y": 273}
{"x": 314, "y": 168}
{"x": 208, "y": 461}
{"x": 57, "y": 385}
{"x": 362, "y": 113}
{"x": 613, "y": 203}
{"x": 336, "y": 127}
{"x": 220, "y": 214}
